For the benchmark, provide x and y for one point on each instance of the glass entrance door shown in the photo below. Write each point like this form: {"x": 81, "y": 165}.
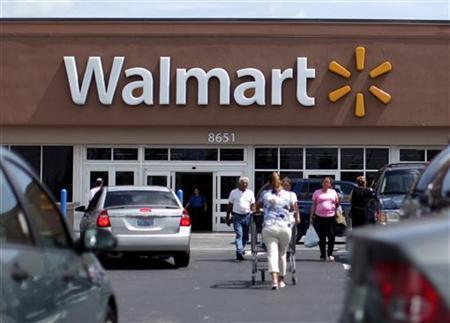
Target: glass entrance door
{"x": 224, "y": 184}
{"x": 157, "y": 178}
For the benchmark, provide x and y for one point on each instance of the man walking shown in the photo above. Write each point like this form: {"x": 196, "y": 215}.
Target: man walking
{"x": 240, "y": 204}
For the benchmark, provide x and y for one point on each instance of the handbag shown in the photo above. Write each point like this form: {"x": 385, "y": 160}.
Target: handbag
{"x": 339, "y": 217}
{"x": 311, "y": 238}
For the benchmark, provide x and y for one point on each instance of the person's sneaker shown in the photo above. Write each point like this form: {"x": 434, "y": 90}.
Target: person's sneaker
{"x": 330, "y": 258}
{"x": 274, "y": 286}
{"x": 322, "y": 258}
{"x": 240, "y": 257}
{"x": 282, "y": 284}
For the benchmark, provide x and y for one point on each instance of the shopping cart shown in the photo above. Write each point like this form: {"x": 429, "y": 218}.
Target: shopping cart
{"x": 292, "y": 267}
{"x": 258, "y": 249}
{"x": 259, "y": 260}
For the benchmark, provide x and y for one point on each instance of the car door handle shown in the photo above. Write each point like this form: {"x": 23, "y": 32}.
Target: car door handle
{"x": 19, "y": 275}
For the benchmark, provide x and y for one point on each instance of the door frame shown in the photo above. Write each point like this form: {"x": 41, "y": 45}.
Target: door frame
{"x": 336, "y": 173}
{"x": 218, "y": 201}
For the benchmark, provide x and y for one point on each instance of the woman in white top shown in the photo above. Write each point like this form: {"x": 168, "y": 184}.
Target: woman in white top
{"x": 277, "y": 204}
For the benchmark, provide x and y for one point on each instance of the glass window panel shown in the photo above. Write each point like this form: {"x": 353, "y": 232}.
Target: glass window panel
{"x": 160, "y": 180}
{"x": 227, "y": 184}
{"x": 321, "y": 158}
{"x": 193, "y": 154}
{"x": 291, "y": 158}
{"x": 350, "y": 176}
{"x": 124, "y": 178}
{"x": 125, "y": 154}
{"x": 231, "y": 154}
{"x": 98, "y": 174}
{"x": 352, "y": 158}
{"x": 431, "y": 153}
{"x": 412, "y": 154}
{"x": 156, "y": 154}
{"x": 266, "y": 158}
{"x": 376, "y": 157}
{"x": 49, "y": 223}
{"x": 261, "y": 178}
{"x": 99, "y": 153}
{"x": 371, "y": 178}
{"x": 32, "y": 155}
{"x": 291, "y": 175}
{"x": 57, "y": 169}
{"x": 223, "y": 207}
{"x": 13, "y": 225}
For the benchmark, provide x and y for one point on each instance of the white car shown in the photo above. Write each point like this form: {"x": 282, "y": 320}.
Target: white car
{"x": 145, "y": 219}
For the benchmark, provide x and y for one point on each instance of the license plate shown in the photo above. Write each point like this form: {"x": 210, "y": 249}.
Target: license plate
{"x": 144, "y": 222}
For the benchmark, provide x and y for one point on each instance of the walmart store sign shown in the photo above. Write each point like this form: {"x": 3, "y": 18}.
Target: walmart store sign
{"x": 142, "y": 82}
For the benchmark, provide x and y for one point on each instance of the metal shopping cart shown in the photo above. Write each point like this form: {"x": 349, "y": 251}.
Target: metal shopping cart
{"x": 259, "y": 260}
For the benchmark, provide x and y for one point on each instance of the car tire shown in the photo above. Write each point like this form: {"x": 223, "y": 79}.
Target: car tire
{"x": 111, "y": 314}
{"x": 182, "y": 259}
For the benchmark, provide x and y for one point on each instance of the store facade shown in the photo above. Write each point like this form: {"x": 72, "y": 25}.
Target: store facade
{"x": 199, "y": 103}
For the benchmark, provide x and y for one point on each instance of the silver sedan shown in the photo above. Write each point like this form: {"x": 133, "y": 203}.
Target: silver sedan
{"x": 145, "y": 219}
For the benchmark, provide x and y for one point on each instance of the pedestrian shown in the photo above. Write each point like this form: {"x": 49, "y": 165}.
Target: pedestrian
{"x": 197, "y": 208}
{"x": 360, "y": 199}
{"x": 325, "y": 201}
{"x": 286, "y": 183}
{"x": 294, "y": 216}
{"x": 241, "y": 203}
{"x": 277, "y": 228}
{"x": 96, "y": 188}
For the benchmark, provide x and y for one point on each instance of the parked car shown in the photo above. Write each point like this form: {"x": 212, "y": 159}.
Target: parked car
{"x": 305, "y": 187}
{"x": 145, "y": 219}
{"x": 432, "y": 189}
{"x": 392, "y": 183}
{"x": 400, "y": 273}
{"x": 46, "y": 276}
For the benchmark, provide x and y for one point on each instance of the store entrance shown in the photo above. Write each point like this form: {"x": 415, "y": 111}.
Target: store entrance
{"x": 201, "y": 220}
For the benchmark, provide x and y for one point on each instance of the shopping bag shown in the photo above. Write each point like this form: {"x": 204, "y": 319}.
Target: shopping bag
{"x": 340, "y": 218}
{"x": 311, "y": 238}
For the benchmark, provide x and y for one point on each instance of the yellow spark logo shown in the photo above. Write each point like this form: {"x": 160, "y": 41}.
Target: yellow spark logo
{"x": 360, "y": 55}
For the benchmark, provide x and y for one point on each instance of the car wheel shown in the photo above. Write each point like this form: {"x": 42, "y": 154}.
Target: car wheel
{"x": 182, "y": 259}
{"x": 111, "y": 315}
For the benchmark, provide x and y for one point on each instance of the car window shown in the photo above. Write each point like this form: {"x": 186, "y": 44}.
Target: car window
{"x": 138, "y": 198}
{"x": 344, "y": 190}
{"x": 13, "y": 225}
{"x": 446, "y": 186}
{"x": 430, "y": 172}
{"x": 43, "y": 211}
{"x": 398, "y": 181}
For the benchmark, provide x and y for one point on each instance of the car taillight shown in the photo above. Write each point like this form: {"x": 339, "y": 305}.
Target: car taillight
{"x": 103, "y": 219}
{"x": 407, "y": 295}
{"x": 185, "y": 219}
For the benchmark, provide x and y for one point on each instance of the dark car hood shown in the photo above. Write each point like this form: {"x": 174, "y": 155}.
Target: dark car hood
{"x": 392, "y": 202}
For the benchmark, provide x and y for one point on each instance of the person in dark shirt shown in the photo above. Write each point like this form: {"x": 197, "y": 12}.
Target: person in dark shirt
{"x": 197, "y": 208}
{"x": 359, "y": 199}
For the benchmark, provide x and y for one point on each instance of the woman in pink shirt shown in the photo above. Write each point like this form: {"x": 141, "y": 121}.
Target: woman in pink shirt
{"x": 323, "y": 210}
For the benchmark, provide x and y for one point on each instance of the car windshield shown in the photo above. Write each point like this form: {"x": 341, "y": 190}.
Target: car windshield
{"x": 140, "y": 198}
{"x": 398, "y": 181}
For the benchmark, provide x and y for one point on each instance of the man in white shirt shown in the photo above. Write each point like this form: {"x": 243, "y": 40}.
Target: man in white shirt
{"x": 241, "y": 204}
{"x": 98, "y": 185}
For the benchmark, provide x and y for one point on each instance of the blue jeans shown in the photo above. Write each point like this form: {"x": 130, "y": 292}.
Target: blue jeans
{"x": 241, "y": 225}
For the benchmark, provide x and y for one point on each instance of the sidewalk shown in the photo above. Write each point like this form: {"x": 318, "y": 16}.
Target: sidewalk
{"x": 225, "y": 241}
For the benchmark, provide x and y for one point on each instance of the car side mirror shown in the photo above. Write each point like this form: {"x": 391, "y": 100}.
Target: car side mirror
{"x": 80, "y": 209}
{"x": 98, "y": 240}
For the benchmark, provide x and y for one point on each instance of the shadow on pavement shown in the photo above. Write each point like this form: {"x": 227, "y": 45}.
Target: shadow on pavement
{"x": 137, "y": 263}
{"x": 240, "y": 284}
